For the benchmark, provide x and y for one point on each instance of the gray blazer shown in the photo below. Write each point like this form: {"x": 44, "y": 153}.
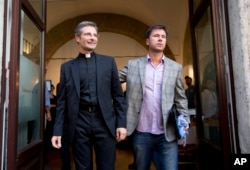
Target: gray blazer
{"x": 172, "y": 92}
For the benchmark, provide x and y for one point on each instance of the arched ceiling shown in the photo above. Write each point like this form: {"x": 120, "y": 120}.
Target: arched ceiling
{"x": 173, "y": 14}
{"x": 106, "y": 22}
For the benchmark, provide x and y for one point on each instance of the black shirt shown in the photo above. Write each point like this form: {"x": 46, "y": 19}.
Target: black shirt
{"x": 88, "y": 87}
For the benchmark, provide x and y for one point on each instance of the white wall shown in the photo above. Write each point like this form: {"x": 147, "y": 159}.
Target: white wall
{"x": 239, "y": 23}
{"x": 117, "y": 45}
{"x": 1, "y": 36}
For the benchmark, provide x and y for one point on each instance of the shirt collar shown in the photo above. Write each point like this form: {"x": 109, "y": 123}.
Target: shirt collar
{"x": 82, "y": 56}
{"x": 162, "y": 59}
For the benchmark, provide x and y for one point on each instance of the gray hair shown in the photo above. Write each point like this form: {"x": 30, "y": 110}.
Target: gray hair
{"x": 78, "y": 29}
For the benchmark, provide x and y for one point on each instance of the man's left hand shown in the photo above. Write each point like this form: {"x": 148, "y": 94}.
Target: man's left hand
{"x": 121, "y": 134}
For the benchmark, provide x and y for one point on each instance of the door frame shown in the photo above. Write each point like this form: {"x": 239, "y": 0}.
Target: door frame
{"x": 229, "y": 139}
{"x": 32, "y": 154}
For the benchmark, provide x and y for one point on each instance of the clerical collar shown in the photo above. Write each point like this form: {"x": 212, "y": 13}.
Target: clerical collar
{"x": 86, "y": 55}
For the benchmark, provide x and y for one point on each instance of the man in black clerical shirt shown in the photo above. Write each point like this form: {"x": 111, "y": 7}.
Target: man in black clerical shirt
{"x": 90, "y": 107}
{"x": 190, "y": 92}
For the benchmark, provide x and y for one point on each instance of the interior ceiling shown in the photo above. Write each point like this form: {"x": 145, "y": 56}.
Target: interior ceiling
{"x": 172, "y": 13}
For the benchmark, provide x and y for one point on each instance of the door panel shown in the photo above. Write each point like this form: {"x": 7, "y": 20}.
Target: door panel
{"x": 26, "y": 106}
{"x": 212, "y": 97}
{"x": 207, "y": 76}
{"x": 29, "y": 109}
{"x": 209, "y": 126}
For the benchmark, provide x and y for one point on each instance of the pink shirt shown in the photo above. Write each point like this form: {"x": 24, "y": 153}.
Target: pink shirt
{"x": 150, "y": 118}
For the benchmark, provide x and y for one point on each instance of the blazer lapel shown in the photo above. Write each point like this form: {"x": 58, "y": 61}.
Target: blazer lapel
{"x": 99, "y": 65}
{"x": 166, "y": 74}
{"x": 142, "y": 67}
{"x": 75, "y": 74}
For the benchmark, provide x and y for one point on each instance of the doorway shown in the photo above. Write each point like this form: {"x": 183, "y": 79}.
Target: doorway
{"x": 26, "y": 120}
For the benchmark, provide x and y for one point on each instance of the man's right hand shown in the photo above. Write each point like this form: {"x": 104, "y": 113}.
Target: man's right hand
{"x": 48, "y": 114}
{"x": 56, "y": 142}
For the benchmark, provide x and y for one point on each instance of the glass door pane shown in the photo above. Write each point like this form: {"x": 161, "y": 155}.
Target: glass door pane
{"x": 29, "y": 110}
{"x": 196, "y": 3}
{"x": 207, "y": 77}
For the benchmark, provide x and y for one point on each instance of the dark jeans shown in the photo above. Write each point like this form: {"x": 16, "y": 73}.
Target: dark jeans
{"x": 150, "y": 147}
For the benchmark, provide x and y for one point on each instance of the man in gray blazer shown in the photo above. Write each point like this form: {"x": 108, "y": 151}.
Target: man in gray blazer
{"x": 90, "y": 106}
{"x": 153, "y": 85}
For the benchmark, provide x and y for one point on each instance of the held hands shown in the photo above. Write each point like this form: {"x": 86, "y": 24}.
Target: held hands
{"x": 56, "y": 142}
{"x": 121, "y": 134}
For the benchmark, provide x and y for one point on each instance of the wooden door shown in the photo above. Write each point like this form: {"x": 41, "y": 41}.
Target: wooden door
{"x": 24, "y": 127}
{"x": 214, "y": 99}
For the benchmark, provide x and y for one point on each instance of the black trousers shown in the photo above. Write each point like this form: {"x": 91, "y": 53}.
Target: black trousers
{"x": 92, "y": 134}
{"x": 65, "y": 154}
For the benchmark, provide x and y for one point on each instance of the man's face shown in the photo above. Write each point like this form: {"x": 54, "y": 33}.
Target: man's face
{"x": 210, "y": 85}
{"x": 157, "y": 40}
{"x": 88, "y": 39}
{"x": 188, "y": 81}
